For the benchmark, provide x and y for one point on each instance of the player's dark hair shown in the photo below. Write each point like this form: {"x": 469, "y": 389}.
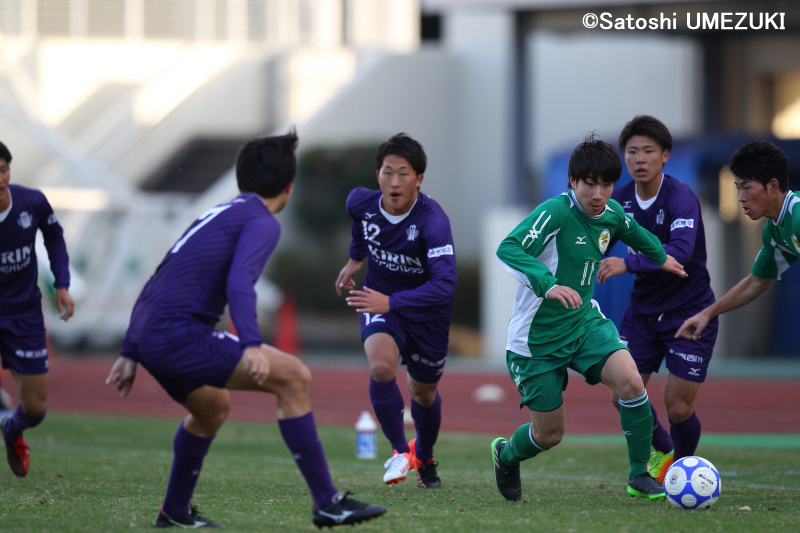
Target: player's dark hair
{"x": 405, "y": 147}
{"x": 595, "y": 159}
{"x": 761, "y": 161}
{"x": 646, "y": 126}
{"x": 266, "y": 165}
{"x": 5, "y": 153}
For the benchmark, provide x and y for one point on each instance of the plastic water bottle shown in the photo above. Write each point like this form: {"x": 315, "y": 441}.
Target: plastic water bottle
{"x": 366, "y": 444}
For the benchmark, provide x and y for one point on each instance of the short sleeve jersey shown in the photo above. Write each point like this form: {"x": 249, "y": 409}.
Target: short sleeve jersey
{"x": 216, "y": 262}
{"x": 559, "y": 244}
{"x": 411, "y": 257}
{"x": 29, "y": 212}
{"x": 675, "y": 218}
{"x": 780, "y": 240}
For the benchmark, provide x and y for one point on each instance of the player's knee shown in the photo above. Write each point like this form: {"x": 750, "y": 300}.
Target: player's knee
{"x": 630, "y": 387}
{"x": 380, "y": 371}
{"x": 297, "y": 380}
{"x": 679, "y": 411}
{"x": 548, "y": 439}
{"x": 35, "y": 409}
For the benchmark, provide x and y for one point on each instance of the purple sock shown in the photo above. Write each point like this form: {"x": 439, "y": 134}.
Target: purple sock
{"x": 20, "y": 421}
{"x": 387, "y": 402}
{"x": 427, "y": 420}
{"x": 661, "y": 439}
{"x": 190, "y": 450}
{"x": 300, "y": 436}
{"x": 686, "y": 435}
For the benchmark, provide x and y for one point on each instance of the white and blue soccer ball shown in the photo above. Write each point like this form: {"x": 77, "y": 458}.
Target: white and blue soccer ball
{"x": 692, "y": 483}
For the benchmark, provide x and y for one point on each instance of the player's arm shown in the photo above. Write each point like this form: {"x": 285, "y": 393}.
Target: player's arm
{"x": 739, "y": 295}
{"x": 439, "y": 290}
{"x": 56, "y": 247}
{"x": 358, "y": 249}
{"x": 257, "y": 240}
{"x": 519, "y": 249}
{"x": 641, "y": 240}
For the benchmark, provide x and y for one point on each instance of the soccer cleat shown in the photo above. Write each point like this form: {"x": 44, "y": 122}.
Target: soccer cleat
{"x": 659, "y": 463}
{"x": 192, "y": 520}
{"x": 427, "y": 475}
{"x": 397, "y": 467}
{"x": 17, "y": 451}
{"x": 508, "y": 482}
{"x": 646, "y": 486}
{"x": 345, "y": 511}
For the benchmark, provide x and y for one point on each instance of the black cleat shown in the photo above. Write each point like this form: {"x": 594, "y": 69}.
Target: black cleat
{"x": 428, "y": 477}
{"x": 192, "y": 520}
{"x": 345, "y": 511}
{"x": 508, "y": 482}
{"x": 646, "y": 486}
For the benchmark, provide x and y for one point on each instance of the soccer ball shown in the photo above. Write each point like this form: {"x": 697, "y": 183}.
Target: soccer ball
{"x": 692, "y": 483}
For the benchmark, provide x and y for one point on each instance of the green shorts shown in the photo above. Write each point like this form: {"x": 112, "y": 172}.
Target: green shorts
{"x": 541, "y": 379}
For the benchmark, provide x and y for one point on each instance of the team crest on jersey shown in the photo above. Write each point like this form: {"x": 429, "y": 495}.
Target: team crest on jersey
{"x": 660, "y": 217}
{"x": 605, "y": 238}
{"x": 796, "y": 243}
{"x": 412, "y": 232}
{"x": 25, "y": 220}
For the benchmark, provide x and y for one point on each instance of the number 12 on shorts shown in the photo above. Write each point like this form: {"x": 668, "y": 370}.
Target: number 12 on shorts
{"x": 373, "y": 318}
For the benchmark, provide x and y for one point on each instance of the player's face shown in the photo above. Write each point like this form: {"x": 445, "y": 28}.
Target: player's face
{"x": 645, "y": 159}
{"x": 592, "y": 194}
{"x": 5, "y": 177}
{"x": 756, "y": 199}
{"x": 399, "y": 183}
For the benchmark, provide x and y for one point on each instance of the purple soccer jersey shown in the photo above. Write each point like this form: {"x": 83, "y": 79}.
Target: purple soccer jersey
{"x": 216, "y": 261}
{"x": 411, "y": 256}
{"x": 676, "y": 220}
{"x": 29, "y": 211}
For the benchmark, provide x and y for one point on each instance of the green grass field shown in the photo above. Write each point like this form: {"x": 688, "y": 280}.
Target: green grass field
{"x": 96, "y": 473}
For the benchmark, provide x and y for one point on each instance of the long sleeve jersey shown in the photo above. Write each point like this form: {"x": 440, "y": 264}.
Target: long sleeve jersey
{"x": 560, "y": 244}
{"x": 411, "y": 256}
{"x": 28, "y": 213}
{"x": 675, "y": 218}
{"x": 780, "y": 241}
{"x": 217, "y": 261}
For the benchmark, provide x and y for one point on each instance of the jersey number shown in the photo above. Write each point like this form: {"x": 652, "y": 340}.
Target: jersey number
{"x": 371, "y": 231}
{"x": 373, "y": 318}
{"x": 204, "y": 219}
{"x": 588, "y": 272}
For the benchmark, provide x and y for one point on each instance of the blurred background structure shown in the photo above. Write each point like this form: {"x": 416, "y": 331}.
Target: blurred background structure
{"x": 128, "y": 114}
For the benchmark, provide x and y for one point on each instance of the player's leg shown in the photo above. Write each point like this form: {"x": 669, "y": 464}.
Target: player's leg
{"x": 680, "y": 395}
{"x": 426, "y": 411}
{"x": 620, "y": 374}
{"x": 383, "y": 354}
{"x": 687, "y": 363}
{"x": 290, "y": 380}
{"x": 24, "y": 334}
{"x": 208, "y": 407}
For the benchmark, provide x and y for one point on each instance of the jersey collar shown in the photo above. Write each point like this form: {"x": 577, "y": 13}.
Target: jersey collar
{"x": 395, "y": 219}
{"x": 571, "y": 195}
{"x": 788, "y": 202}
{"x": 5, "y": 213}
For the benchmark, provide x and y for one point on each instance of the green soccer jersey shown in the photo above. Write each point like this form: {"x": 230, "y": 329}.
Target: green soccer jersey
{"x": 559, "y": 244}
{"x": 780, "y": 241}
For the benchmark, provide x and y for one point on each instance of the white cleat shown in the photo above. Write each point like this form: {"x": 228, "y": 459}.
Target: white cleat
{"x": 397, "y": 467}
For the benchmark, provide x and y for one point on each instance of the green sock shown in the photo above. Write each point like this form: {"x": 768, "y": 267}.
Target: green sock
{"x": 520, "y": 446}
{"x": 637, "y": 425}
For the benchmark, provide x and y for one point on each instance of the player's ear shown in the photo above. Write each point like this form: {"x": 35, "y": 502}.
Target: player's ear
{"x": 664, "y": 156}
{"x": 772, "y": 186}
{"x": 289, "y": 188}
{"x": 420, "y": 177}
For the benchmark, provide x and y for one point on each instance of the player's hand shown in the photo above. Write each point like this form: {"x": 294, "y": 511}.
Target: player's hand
{"x": 692, "y": 327}
{"x": 122, "y": 375}
{"x": 64, "y": 303}
{"x": 671, "y": 265}
{"x": 610, "y": 267}
{"x": 368, "y": 301}
{"x": 345, "y": 280}
{"x": 256, "y": 364}
{"x": 568, "y": 297}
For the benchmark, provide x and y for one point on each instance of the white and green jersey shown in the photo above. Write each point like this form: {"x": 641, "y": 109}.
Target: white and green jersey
{"x": 559, "y": 244}
{"x": 780, "y": 241}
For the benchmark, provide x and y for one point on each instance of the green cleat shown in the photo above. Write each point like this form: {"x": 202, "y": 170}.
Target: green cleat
{"x": 508, "y": 482}
{"x": 646, "y": 486}
{"x": 659, "y": 463}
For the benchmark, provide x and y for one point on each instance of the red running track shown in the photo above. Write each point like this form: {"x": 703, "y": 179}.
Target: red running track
{"x": 340, "y": 393}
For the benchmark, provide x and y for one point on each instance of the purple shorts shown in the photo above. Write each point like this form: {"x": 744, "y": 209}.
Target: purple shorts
{"x": 194, "y": 356}
{"x": 422, "y": 345}
{"x": 651, "y": 339}
{"x": 23, "y": 342}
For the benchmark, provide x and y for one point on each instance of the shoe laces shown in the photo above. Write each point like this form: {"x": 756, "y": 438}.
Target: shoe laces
{"x": 395, "y": 459}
